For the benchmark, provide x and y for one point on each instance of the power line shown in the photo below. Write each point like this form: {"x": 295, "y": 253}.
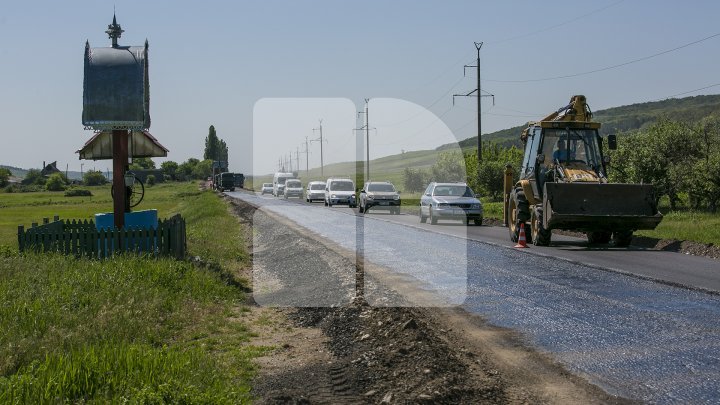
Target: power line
{"x": 608, "y": 67}
{"x": 557, "y": 25}
{"x": 688, "y": 92}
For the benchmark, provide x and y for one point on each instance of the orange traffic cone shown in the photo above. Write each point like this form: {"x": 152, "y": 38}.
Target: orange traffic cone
{"x": 522, "y": 242}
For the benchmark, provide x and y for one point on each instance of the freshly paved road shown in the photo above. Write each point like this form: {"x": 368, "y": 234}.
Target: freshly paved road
{"x": 599, "y": 311}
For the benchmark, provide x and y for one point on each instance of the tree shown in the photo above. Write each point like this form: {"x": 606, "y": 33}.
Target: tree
{"x": 170, "y": 168}
{"x": 4, "y": 176}
{"x": 142, "y": 164}
{"x": 94, "y": 178}
{"x": 415, "y": 179}
{"x": 450, "y": 166}
{"x": 212, "y": 145}
{"x": 185, "y": 170}
{"x": 223, "y": 151}
{"x": 202, "y": 169}
{"x": 55, "y": 182}
{"x": 33, "y": 176}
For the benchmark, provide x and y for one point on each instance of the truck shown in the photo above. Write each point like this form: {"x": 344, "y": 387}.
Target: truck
{"x": 563, "y": 184}
{"x": 239, "y": 180}
{"x": 225, "y": 181}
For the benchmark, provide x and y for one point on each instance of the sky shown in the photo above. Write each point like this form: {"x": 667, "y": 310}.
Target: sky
{"x": 252, "y": 69}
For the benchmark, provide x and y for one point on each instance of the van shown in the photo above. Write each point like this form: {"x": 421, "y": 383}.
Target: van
{"x": 340, "y": 191}
{"x": 279, "y": 182}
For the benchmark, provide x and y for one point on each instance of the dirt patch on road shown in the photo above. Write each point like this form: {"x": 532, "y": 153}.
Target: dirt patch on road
{"x": 362, "y": 354}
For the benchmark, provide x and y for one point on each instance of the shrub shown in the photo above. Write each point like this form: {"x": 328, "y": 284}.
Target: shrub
{"x": 78, "y": 192}
{"x": 55, "y": 182}
{"x": 94, "y": 178}
{"x": 150, "y": 180}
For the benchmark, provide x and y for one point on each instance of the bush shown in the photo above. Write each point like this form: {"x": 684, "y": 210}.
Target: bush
{"x": 55, "y": 182}
{"x": 19, "y": 188}
{"x": 4, "y": 176}
{"x": 78, "y": 192}
{"x": 150, "y": 180}
{"x": 94, "y": 178}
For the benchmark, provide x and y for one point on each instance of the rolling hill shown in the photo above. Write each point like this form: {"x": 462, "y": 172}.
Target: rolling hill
{"x": 627, "y": 118}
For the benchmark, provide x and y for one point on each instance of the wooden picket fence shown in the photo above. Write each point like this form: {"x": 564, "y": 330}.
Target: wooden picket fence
{"x": 82, "y": 239}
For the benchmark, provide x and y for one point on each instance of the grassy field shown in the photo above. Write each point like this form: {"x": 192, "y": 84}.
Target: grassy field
{"x": 127, "y": 329}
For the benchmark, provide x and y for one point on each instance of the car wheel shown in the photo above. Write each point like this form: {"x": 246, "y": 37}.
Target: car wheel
{"x": 478, "y": 221}
{"x": 423, "y": 218}
{"x": 622, "y": 238}
{"x": 326, "y": 203}
{"x": 433, "y": 218}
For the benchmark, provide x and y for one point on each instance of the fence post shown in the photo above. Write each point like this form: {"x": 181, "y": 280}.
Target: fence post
{"x": 21, "y": 238}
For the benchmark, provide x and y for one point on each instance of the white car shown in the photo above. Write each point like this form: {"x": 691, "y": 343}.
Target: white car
{"x": 315, "y": 191}
{"x": 267, "y": 188}
{"x": 293, "y": 188}
{"x": 340, "y": 191}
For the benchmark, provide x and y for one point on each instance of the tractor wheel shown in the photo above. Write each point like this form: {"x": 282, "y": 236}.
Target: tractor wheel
{"x": 539, "y": 234}
{"x": 598, "y": 237}
{"x": 513, "y": 227}
{"x": 622, "y": 238}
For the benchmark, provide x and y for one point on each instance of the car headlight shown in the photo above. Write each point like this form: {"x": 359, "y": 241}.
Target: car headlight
{"x": 370, "y": 197}
{"x": 442, "y": 204}
{"x": 332, "y": 196}
{"x": 352, "y": 196}
{"x": 475, "y": 206}
{"x": 397, "y": 197}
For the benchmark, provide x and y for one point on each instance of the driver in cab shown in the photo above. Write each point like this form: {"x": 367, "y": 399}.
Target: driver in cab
{"x": 562, "y": 154}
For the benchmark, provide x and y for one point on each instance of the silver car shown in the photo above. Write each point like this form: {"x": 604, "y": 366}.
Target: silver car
{"x": 266, "y": 188}
{"x": 315, "y": 191}
{"x": 451, "y": 201}
{"x": 380, "y": 194}
{"x": 293, "y": 188}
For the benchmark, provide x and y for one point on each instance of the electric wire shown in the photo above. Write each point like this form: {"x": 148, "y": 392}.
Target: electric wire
{"x": 556, "y": 25}
{"x": 644, "y": 58}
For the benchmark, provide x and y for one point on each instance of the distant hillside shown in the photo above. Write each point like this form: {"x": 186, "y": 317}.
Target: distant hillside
{"x": 623, "y": 119}
{"x": 15, "y": 171}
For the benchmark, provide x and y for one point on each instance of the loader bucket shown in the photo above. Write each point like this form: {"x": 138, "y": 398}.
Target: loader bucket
{"x": 599, "y": 207}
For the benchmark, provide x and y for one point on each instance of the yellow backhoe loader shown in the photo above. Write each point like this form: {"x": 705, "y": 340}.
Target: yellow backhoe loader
{"x": 563, "y": 183}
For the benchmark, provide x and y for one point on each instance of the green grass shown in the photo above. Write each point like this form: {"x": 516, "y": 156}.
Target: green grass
{"x": 687, "y": 225}
{"x": 127, "y": 329}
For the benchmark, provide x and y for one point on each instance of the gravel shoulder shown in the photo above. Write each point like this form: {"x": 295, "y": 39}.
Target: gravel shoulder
{"x": 354, "y": 353}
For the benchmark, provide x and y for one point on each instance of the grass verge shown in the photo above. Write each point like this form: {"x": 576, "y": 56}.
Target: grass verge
{"x": 129, "y": 328}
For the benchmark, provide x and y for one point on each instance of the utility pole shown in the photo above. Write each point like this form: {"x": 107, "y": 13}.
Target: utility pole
{"x": 366, "y": 127}
{"x": 477, "y": 93}
{"x": 307, "y": 156}
{"x": 322, "y": 173}
{"x": 297, "y": 158}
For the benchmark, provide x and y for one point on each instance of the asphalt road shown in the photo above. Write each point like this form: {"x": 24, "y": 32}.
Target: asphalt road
{"x": 599, "y": 311}
{"x": 668, "y": 267}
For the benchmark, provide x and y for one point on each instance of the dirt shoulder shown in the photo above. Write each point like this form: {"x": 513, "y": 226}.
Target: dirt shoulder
{"x": 361, "y": 354}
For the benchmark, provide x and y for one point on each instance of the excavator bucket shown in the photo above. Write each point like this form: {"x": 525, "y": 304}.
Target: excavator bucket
{"x": 600, "y": 207}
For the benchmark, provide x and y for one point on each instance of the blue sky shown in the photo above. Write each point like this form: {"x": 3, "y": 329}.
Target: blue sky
{"x": 212, "y": 61}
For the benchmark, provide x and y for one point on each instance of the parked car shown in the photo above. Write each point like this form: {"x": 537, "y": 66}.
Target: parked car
{"x": 340, "y": 191}
{"x": 267, "y": 188}
{"x": 380, "y": 194}
{"x": 451, "y": 201}
{"x": 293, "y": 188}
{"x": 315, "y": 191}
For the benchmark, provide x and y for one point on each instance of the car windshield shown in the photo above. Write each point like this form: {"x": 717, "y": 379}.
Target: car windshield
{"x": 341, "y": 186}
{"x": 457, "y": 191}
{"x": 281, "y": 180}
{"x": 319, "y": 186}
{"x": 381, "y": 187}
{"x": 267, "y": 184}
{"x": 293, "y": 184}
